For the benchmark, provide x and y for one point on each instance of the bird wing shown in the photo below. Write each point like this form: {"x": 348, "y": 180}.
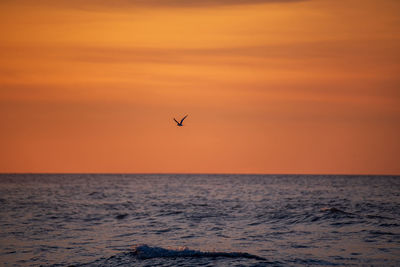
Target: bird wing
{"x": 183, "y": 118}
{"x": 176, "y": 121}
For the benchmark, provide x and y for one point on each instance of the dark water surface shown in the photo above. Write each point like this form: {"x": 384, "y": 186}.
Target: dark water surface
{"x": 222, "y": 220}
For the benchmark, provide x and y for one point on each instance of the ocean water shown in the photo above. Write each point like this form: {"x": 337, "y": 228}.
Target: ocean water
{"x": 199, "y": 220}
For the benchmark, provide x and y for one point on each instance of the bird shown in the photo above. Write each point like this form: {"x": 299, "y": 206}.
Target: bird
{"x": 180, "y": 123}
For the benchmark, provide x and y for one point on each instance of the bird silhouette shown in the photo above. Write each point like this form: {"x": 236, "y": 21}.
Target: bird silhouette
{"x": 180, "y": 123}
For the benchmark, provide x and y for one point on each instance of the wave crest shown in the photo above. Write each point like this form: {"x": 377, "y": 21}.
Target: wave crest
{"x": 147, "y": 252}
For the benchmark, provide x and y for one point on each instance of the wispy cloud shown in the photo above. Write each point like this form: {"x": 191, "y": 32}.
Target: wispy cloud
{"x": 150, "y": 3}
{"x": 191, "y": 3}
{"x": 359, "y": 51}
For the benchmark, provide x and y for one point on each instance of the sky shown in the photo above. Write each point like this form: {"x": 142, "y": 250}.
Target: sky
{"x": 269, "y": 86}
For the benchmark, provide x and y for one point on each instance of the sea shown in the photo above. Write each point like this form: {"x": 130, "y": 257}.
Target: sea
{"x": 199, "y": 220}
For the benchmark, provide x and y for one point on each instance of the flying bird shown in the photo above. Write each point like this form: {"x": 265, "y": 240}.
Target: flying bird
{"x": 180, "y": 123}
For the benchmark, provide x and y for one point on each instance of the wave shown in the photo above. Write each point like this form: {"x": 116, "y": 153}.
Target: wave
{"x": 147, "y": 252}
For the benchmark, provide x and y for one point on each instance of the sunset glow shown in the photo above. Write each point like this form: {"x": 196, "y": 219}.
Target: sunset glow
{"x": 270, "y": 86}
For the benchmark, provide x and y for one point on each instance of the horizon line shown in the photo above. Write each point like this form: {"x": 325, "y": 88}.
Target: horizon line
{"x": 201, "y": 173}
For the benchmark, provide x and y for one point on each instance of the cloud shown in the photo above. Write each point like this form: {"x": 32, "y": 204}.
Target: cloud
{"x": 199, "y": 3}
{"x": 371, "y": 52}
{"x": 96, "y": 4}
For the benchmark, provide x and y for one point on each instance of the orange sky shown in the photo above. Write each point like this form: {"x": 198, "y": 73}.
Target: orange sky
{"x": 307, "y": 86}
